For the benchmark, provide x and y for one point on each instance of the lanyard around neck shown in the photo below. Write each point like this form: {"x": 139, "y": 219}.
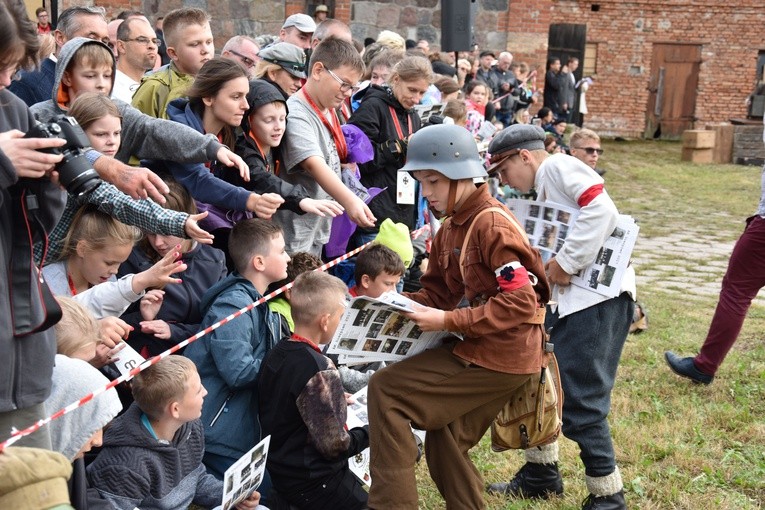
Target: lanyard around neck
{"x": 334, "y": 129}
{"x": 396, "y": 124}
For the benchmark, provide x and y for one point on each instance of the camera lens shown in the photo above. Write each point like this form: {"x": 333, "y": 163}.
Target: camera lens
{"x": 77, "y": 175}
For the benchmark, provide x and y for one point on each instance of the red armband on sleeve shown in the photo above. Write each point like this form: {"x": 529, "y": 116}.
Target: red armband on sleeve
{"x": 589, "y": 195}
{"x": 512, "y": 277}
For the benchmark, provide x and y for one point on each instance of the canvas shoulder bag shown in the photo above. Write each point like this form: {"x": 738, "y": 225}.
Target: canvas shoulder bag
{"x": 533, "y": 414}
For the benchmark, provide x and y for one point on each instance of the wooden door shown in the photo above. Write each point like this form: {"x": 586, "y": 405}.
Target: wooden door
{"x": 673, "y": 87}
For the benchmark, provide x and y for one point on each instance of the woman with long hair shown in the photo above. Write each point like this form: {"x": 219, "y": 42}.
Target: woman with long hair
{"x": 388, "y": 118}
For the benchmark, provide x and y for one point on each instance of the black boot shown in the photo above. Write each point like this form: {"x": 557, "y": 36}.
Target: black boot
{"x": 532, "y": 481}
{"x": 611, "y": 502}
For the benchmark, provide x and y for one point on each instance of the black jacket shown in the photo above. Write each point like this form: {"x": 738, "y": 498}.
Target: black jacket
{"x": 262, "y": 177}
{"x": 27, "y": 360}
{"x": 374, "y": 118}
{"x": 180, "y": 307}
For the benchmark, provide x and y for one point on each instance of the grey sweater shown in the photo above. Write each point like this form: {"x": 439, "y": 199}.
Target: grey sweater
{"x": 134, "y": 469}
{"x": 142, "y": 136}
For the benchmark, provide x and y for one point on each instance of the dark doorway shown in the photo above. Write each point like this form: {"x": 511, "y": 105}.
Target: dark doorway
{"x": 673, "y": 87}
{"x": 567, "y": 40}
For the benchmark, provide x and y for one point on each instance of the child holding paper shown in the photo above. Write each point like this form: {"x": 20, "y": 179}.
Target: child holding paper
{"x": 303, "y": 407}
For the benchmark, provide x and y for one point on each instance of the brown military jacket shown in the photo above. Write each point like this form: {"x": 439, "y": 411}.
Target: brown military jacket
{"x": 495, "y": 327}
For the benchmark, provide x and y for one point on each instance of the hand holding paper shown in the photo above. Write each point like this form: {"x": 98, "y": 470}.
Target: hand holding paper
{"x": 428, "y": 319}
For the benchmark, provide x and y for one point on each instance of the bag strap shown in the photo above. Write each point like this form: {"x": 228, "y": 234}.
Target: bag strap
{"x": 497, "y": 210}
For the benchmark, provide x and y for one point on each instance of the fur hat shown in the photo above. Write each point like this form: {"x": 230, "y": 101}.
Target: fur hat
{"x": 33, "y": 478}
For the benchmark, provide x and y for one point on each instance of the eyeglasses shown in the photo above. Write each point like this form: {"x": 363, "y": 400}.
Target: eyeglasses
{"x": 247, "y": 61}
{"x": 344, "y": 85}
{"x": 591, "y": 150}
{"x": 145, "y": 41}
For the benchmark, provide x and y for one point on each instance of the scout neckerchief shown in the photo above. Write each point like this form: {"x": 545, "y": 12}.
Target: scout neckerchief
{"x": 304, "y": 340}
{"x": 263, "y": 155}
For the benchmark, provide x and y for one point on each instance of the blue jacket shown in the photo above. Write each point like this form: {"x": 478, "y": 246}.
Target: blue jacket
{"x": 229, "y": 361}
{"x": 201, "y": 183}
{"x": 35, "y": 86}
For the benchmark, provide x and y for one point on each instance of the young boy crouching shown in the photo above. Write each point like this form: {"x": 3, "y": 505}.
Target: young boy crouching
{"x": 303, "y": 407}
{"x": 152, "y": 454}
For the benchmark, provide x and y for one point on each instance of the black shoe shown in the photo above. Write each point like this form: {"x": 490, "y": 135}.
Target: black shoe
{"x": 612, "y": 502}
{"x": 686, "y": 368}
{"x": 532, "y": 481}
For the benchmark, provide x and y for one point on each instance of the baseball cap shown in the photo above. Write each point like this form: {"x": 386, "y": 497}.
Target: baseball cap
{"x": 302, "y": 22}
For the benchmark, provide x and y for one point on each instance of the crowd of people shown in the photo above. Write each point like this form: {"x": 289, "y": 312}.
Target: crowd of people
{"x": 223, "y": 178}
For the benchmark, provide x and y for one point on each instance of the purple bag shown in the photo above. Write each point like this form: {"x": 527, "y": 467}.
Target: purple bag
{"x": 359, "y": 151}
{"x": 218, "y": 217}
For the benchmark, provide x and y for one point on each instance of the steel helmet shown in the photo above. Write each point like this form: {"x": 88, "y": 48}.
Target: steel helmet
{"x": 446, "y": 149}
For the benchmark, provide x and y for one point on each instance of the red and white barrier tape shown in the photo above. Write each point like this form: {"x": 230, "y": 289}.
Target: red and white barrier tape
{"x": 18, "y": 434}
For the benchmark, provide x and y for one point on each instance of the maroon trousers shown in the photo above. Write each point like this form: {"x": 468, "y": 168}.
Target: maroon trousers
{"x": 743, "y": 280}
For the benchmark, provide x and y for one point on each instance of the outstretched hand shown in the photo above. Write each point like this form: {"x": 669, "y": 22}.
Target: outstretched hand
{"x": 229, "y": 158}
{"x": 195, "y": 232}
{"x": 321, "y": 207}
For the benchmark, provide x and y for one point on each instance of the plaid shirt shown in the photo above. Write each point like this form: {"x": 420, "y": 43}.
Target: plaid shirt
{"x": 144, "y": 214}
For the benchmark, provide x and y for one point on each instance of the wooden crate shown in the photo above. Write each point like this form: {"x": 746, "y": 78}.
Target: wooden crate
{"x": 698, "y": 155}
{"x": 698, "y": 139}
{"x": 723, "y": 149}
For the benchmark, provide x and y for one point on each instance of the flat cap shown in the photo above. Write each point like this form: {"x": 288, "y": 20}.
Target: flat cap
{"x": 321, "y": 8}
{"x": 486, "y": 53}
{"x": 302, "y": 22}
{"x": 512, "y": 139}
{"x": 286, "y": 55}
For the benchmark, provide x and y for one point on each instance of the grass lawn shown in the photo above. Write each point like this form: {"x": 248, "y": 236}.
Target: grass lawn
{"x": 678, "y": 445}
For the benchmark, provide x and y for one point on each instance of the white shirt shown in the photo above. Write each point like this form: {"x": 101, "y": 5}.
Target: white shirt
{"x": 124, "y": 87}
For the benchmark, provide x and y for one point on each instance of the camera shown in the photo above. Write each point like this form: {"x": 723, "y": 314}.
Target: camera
{"x": 76, "y": 173}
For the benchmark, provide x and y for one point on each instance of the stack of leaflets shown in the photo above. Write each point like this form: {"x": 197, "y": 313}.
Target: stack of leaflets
{"x": 547, "y": 225}
{"x": 372, "y": 330}
{"x": 358, "y": 417}
{"x": 245, "y": 475}
{"x": 426, "y": 111}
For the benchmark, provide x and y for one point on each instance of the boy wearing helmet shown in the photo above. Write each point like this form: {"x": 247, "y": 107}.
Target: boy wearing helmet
{"x": 588, "y": 330}
{"x": 454, "y": 392}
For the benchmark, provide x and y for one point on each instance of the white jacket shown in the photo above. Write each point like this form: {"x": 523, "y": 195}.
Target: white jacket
{"x": 564, "y": 180}
{"x": 108, "y": 299}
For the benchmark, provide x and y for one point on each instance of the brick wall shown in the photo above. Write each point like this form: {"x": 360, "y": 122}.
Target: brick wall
{"x": 730, "y": 34}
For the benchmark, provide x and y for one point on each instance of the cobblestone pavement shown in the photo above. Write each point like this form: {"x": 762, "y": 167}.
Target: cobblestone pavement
{"x": 686, "y": 263}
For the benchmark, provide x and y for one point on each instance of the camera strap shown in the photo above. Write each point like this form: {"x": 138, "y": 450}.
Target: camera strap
{"x": 33, "y": 307}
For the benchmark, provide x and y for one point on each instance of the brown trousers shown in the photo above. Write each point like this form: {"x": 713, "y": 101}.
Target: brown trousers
{"x": 455, "y": 402}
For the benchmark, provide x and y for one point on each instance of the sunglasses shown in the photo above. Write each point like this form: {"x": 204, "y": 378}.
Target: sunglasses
{"x": 287, "y": 65}
{"x": 590, "y": 150}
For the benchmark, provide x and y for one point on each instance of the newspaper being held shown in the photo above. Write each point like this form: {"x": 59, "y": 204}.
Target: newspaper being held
{"x": 245, "y": 475}
{"x": 358, "y": 417}
{"x": 547, "y": 225}
{"x": 605, "y": 275}
{"x": 372, "y": 330}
